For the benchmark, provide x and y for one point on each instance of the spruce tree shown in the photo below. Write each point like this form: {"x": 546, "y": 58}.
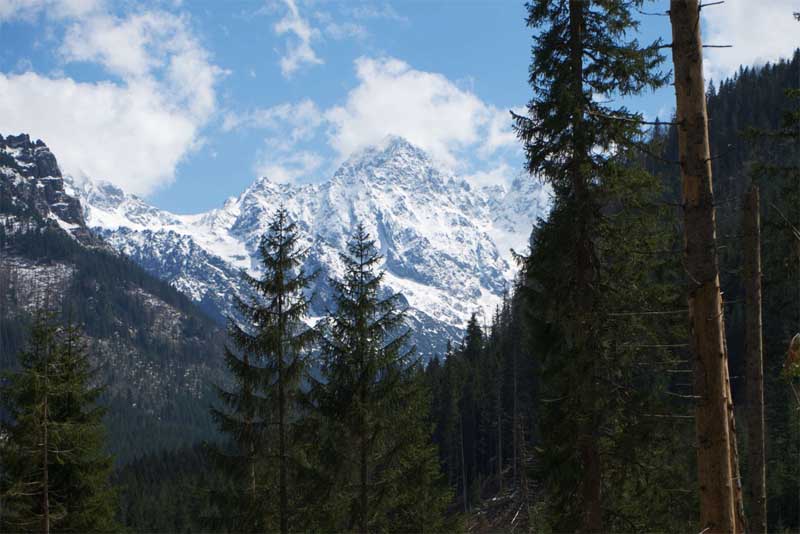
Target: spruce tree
{"x": 577, "y": 140}
{"x": 55, "y": 470}
{"x": 378, "y": 468}
{"x": 267, "y": 366}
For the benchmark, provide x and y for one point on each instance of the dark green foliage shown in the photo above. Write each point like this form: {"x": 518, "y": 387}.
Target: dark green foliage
{"x": 168, "y": 491}
{"x": 107, "y": 295}
{"x": 567, "y": 125}
{"x": 377, "y": 469}
{"x": 52, "y": 442}
{"x": 598, "y": 263}
{"x": 267, "y": 366}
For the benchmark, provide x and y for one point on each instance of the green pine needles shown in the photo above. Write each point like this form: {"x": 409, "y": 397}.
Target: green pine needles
{"x": 342, "y": 443}
{"x": 596, "y": 261}
{"x": 267, "y": 363}
{"x": 379, "y": 470}
{"x": 55, "y": 469}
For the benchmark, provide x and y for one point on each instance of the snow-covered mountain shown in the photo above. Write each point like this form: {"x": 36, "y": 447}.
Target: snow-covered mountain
{"x": 446, "y": 244}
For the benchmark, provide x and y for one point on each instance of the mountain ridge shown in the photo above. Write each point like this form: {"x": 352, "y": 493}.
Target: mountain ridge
{"x": 446, "y": 243}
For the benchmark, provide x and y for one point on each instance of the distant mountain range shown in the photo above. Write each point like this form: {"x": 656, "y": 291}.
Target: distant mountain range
{"x": 132, "y": 274}
{"x": 446, "y": 244}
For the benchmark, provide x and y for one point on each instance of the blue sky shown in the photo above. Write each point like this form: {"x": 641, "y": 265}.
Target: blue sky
{"x": 186, "y": 103}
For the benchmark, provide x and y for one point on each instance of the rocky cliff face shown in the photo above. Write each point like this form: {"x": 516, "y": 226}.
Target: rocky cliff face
{"x": 30, "y": 180}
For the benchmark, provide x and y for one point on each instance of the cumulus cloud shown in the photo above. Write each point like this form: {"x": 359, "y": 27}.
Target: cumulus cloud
{"x": 134, "y": 129}
{"x": 760, "y": 31}
{"x": 426, "y": 108}
{"x": 298, "y": 48}
{"x": 288, "y": 168}
{"x": 390, "y": 99}
{"x": 126, "y": 135}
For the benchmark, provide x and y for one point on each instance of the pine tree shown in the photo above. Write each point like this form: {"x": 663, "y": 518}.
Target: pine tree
{"x": 378, "y": 468}
{"x": 55, "y": 472}
{"x": 592, "y": 401}
{"x": 272, "y": 341}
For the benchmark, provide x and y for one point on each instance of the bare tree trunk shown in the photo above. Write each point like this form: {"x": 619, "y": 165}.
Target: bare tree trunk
{"x": 756, "y": 485}
{"x": 465, "y": 486}
{"x": 515, "y": 426}
{"x": 499, "y": 434}
{"x": 717, "y": 499}
{"x": 45, "y": 466}
{"x": 740, "y": 521}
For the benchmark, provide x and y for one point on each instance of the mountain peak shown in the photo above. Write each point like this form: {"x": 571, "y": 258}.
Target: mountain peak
{"x": 390, "y": 147}
{"x": 393, "y": 161}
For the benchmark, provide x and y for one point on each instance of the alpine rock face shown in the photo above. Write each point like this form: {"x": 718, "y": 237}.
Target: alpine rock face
{"x": 446, "y": 244}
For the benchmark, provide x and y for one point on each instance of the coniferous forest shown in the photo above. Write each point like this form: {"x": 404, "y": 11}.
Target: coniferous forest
{"x": 640, "y": 374}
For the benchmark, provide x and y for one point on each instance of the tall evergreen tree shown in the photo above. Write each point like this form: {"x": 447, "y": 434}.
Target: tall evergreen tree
{"x": 272, "y": 341}
{"x": 55, "y": 471}
{"x": 579, "y": 144}
{"x": 379, "y": 469}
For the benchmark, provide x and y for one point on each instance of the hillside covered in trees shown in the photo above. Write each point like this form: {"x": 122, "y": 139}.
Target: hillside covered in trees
{"x": 639, "y": 375}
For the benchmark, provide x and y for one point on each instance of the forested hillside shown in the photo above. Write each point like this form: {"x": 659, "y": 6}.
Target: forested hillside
{"x": 155, "y": 351}
{"x": 638, "y": 374}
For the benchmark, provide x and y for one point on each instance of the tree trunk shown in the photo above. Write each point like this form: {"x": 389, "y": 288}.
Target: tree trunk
{"x": 463, "y": 464}
{"x": 499, "y": 435}
{"x": 284, "y": 504}
{"x": 756, "y": 485}
{"x": 707, "y": 329}
{"x": 588, "y": 444}
{"x": 515, "y": 425}
{"x": 282, "y": 446}
{"x": 364, "y": 499}
{"x": 45, "y": 462}
{"x": 738, "y": 501}
{"x": 363, "y": 495}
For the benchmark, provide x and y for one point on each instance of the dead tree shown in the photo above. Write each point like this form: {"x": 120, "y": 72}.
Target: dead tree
{"x": 756, "y": 484}
{"x": 707, "y": 329}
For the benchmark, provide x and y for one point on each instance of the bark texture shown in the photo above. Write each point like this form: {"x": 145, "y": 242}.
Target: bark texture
{"x": 707, "y": 330}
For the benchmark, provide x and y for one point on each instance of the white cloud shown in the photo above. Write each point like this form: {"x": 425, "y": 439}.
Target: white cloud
{"x": 298, "y": 49}
{"x": 502, "y": 174}
{"x": 426, "y": 108}
{"x": 288, "y": 168}
{"x": 288, "y": 125}
{"x": 499, "y": 133}
{"x": 132, "y": 130}
{"x": 344, "y": 30}
{"x": 302, "y": 116}
{"x": 450, "y": 123}
{"x": 126, "y": 135}
{"x": 372, "y": 10}
{"x": 759, "y": 30}
{"x": 57, "y": 9}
